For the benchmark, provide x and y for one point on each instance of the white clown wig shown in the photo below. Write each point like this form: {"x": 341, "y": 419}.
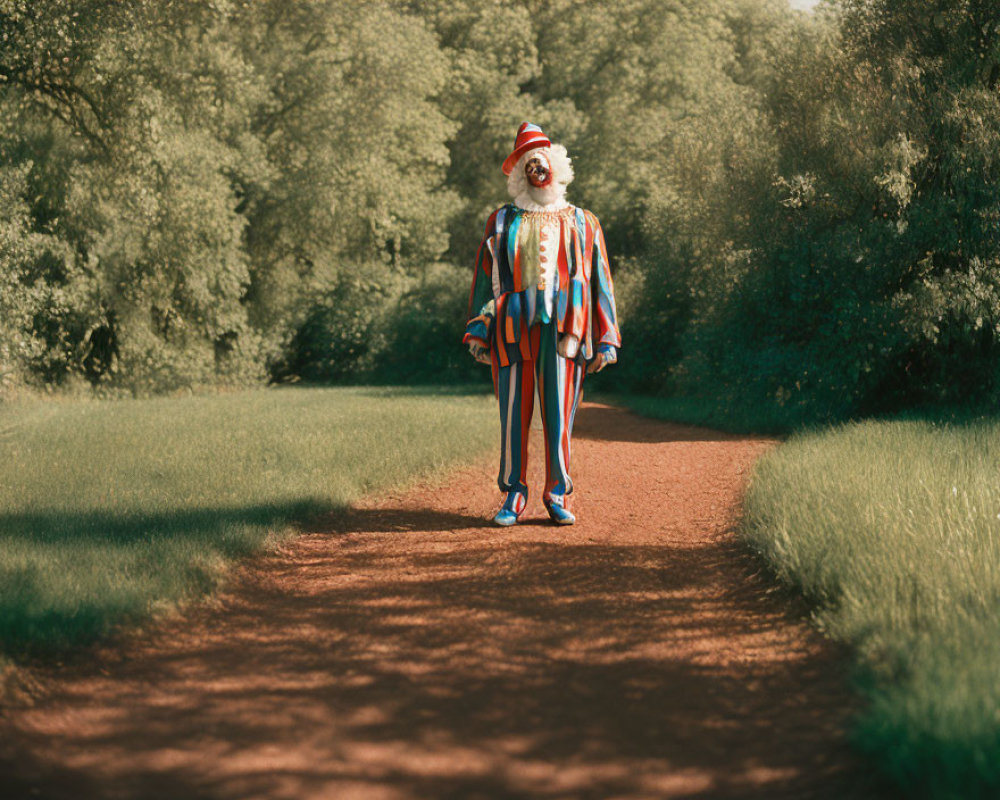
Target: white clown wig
{"x": 533, "y": 198}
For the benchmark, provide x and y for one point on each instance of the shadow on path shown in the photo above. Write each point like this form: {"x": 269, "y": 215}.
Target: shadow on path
{"x": 604, "y": 423}
{"x": 405, "y": 651}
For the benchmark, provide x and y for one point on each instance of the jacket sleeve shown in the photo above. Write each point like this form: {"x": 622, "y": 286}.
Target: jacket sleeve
{"x": 479, "y": 316}
{"x": 603, "y": 314}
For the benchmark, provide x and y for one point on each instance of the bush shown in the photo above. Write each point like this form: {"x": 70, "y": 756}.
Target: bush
{"x": 422, "y": 334}
{"x": 342, "y": 329}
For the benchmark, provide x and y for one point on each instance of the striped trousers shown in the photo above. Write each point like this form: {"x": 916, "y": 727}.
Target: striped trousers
{"x": 559, "y": 382}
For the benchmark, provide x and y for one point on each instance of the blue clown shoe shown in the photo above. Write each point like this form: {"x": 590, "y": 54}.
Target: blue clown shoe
{"x": 511, "y": 509}
{"x": 558, "y": 512}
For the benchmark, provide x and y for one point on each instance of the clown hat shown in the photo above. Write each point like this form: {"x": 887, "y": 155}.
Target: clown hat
{"x": 528, "y": 138}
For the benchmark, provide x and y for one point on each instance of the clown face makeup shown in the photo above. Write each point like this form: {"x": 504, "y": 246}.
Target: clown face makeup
{"x": 538, "y": 171}
{"x": 538, "y": 181}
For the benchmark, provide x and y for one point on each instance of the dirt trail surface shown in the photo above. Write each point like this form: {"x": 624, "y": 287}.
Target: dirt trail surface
{"x": 411, "y": 650}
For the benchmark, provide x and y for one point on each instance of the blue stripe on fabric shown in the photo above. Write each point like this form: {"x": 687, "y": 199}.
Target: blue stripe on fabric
{"x": 512, "y": 229}
{"x": 503, "y": 229}
{"x": 602, "y": 276}
{"x": 514, "y": 310}
{"x": 610, "y": 353}
{"x": 581, "y": 232}
{"x": 532, "y": 301}
{"x": 479, "y": 327}
{"x": 503, "y": 396}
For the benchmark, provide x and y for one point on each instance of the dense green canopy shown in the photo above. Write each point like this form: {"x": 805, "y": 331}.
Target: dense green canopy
{"x": 799, "y": 206}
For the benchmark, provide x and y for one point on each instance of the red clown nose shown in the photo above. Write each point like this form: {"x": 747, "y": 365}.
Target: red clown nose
{"x": 528, "y": 138}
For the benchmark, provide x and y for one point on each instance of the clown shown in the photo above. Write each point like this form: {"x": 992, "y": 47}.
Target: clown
{"x": 541, "y": 313}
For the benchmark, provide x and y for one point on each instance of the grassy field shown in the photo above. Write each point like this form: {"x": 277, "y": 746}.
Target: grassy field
{"x": 892, "y": 529}
{"x": 110, "y": 511}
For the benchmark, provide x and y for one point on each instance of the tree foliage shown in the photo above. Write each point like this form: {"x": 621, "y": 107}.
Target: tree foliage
{"x": 205, "y": 167}
{"x": 800, "y": 208}
{"x": 870, "y": 280}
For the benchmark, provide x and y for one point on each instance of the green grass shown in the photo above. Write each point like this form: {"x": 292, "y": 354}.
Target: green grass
{"x": 113, "y": 510}
{"x": 892, "y": 529}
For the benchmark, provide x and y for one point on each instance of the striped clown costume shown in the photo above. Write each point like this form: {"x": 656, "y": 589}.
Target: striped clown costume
{"x": 541, "y": 313}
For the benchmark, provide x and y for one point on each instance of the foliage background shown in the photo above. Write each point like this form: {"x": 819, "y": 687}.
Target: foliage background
{"x": 800, "y": 206}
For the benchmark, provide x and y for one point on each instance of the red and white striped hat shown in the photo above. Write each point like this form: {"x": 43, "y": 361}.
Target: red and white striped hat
{"x": 528, "y": 138}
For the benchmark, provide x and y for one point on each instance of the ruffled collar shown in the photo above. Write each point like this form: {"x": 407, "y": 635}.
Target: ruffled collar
{"x": 560, "y": 209}
{"x": 525, "y": 203}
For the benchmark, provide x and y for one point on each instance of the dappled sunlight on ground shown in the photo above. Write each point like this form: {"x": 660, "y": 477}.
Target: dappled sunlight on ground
{"x": 408, "y": 650}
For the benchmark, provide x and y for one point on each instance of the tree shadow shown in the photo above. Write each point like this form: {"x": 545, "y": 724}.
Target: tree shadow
{"x": 76, "y": 576}
{"x": 392, "y": 520}
{"x": 426, "y": 664}
{"x": 421, "y": 520}
{"x": 56, "y": 526}
{"x": 606, "y": 423}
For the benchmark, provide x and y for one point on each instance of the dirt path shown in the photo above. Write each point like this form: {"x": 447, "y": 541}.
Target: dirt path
{"x": 411, "y": 651}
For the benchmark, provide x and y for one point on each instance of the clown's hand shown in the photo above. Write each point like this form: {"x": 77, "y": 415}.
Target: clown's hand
{"x": 568, "y": 345}
{"x": 606, "y": 354}
{"x": 480, "y": 353}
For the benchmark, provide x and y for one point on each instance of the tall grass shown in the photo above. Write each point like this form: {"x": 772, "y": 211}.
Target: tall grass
{"x": 111, "y": 510}
{"x": 893, "y": 530}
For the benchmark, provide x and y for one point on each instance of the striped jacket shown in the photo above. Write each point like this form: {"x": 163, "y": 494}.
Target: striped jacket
{"x": 507, "y": 272}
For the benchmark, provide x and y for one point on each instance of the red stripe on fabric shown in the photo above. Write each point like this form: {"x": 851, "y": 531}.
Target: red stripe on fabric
{"x": 527, "y": 401}
{"x": 501, "y": 312}
{"x": 563, "y": 260}
{"x": 525, "y": 341}
{"x": 568, "y": 323}
{"x": 564, "y": 420}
